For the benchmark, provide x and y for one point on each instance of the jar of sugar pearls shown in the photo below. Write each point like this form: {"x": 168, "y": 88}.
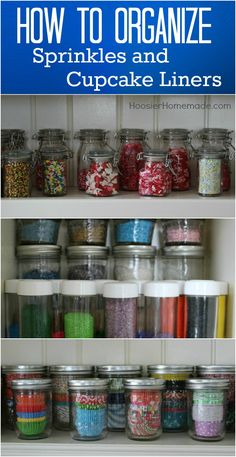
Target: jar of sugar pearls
{"x": 120, "y": 309}
{"x": 183, "y": 232}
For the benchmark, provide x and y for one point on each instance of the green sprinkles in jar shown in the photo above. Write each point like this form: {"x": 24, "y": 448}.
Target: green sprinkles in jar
{"x": 78, "y": 325}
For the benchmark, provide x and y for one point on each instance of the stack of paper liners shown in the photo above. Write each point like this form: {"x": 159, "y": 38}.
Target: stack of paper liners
{"x": 31, "y": 413}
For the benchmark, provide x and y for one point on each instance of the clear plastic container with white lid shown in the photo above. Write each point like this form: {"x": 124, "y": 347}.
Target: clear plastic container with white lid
{"x": 11, "y": 308}
{"x": 140, "y": 309}
{"x": 161, "y": 299}
{"x": 38, "y": 261}
{"x": 57, "y": 310}
{"x": 35, "y": 304}
{"x": 134, "y": 262}
{"x": 100, "y": 308}
{"x": 183, "y": 263}
{"x": 79, "y": 306}
{"x": 120, "y": 309}
{"x": 181, "y": 314}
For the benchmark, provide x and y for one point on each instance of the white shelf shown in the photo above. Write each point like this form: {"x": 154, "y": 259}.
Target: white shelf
{"x": 126, "y": 204}
{"x": 116, "y": 444}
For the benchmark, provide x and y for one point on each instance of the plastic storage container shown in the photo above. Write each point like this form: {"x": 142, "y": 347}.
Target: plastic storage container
{"x": 117, "y": 374}
{"x": 133, "y": 231}
{"x": 183, "y": 232}
{"x": 174, "y": 407}
{"x": 161, "y": 300}
{"x": 155, "y": 178}
{"x": 88, "y": 409}
{"x": 206, "y": 408}
{"x": 11, "y": 373}
{"x": 222, "y": 372}
{"x": 60, "y": 376}
{"x": 210, "y": 161}
{"x": 140, "y": 310}
{"x": 79, "y": 305}
{"x": 181, "y": 311}
{"x": 183, "y": 263}
{"x": 102, "y": 179}
{"x": 12, "y": 309}
{"x": 144, "y": 408}
{"x": 87, "y": 232}
{"x": 120, "y": 309}
{"x": 38, "y": 262}
{"x": 134, "y": 262}
{"x": 57, "y": 310}
{"x": 33, "y": 408}
{"x": 222, "y": 308}
{"x": 37, "y": 231}
{"x": 100, "y": 308}
{"x": 35, "y": 305}
{"x": 87, "y": 262}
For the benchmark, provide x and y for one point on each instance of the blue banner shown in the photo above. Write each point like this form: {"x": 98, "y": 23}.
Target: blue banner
{"x": 118, "y": 47}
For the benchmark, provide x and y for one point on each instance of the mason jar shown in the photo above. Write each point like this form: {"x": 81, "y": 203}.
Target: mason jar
{"x": 38, "y": 261}
{"x": 102, "y": 179}
{"x": 12, "y": 309}
{"x": 144, "y": 408}
{"x": 37, "y": 231}
{"x": 183, "y": 232}
{"x": 88, "y": 409}
{"x": 207, "y": 400}
{"x": 87, "y": 262}
{"x": 133, "y": 231}
{"x": 33, "y": 408}
{"x": 87, "y": 232}
{"x": 210, "y": 161}
{"x": 60, "y": 377}
{"x": 174, "y": 407}
{"x": 182, "y": 262}
{"x": 155, "y": 177}
{"x": 120, "y": 309}
{"x": 134, "y": 262}
{"x": 132, "y": 143}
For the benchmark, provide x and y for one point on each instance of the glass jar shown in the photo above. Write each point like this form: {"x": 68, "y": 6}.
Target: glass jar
{"x": 10, "y": 373}
{"x": 176, "y": 143}
{"x": 11, "y": 139}
{"x": 155, "y": 178}
{"x": 79, "y": 305}
{"x": 90, "y": 140}
{"x": 183, "y": 262}
{"x": 161, "y": 298}
{"x": 134, "y": 262}
{"x": 57, "y": 310}
{"x": 86, "y": 262}
{"x": 100, "y": 308}
{"x": 133, "y": 231}
{"x": 202, "y": 307}
{"x": 132, "y": 143}
{"x": 60, "y": 376}
{"x": 117, "y": 374}
{"x": 102, "y": 179}
{"x": 35, "y": 308}
{"x": 88, "y": 409}
{"x": 11, "y": 308}
{"x": 143, "y": 408}
{"x": 120, "y": 309}
{"x": 33, "y": 408}
{"x": 183, "y": 232}
{"x": 37, "y": 231}
{"x": 87, "y": 232}
{"x": 38, "y": 262}
{"x": 17, "y": 168}
{"x": 174, "y": 406}
{"x": 222, "y": 372}
{"x": 206, "y": 408}
{"x": 209, "y": 172}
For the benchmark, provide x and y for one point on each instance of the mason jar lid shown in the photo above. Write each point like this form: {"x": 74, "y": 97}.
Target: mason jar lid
{"x": 82, "y": 251}
{"x": 100, "y": 285}
{"x": 166, "y": 369}
{"x": 130, "y": 250}
{"x": 11, "y": 286}
{"x": 154, "y": 154}
{"x": 209, "y": 384}
{"x": 119, "y": 369}
{"x": 74, "y": 287}
{"x": 56, "y": 285}
{"x": 34, "y": 287}
{"x": 31, "y": 384}
{"x": 161, "y": 289}
{"x": 102, "y": 154}
{"x": 47, "y": 250}
{"x": 149, "y": 383}
{"x": 94, "y": 383}
{"x": 120, "y": 290}
{"x": 202, "y": 287}
{"x": 214, "y": 369}
{"x": 71, "y": 369}
{"x": 23, "y": 368}
{"x": 185, "y": 251}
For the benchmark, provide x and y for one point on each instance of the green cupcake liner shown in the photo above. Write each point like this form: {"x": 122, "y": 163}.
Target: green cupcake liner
{"x": 32, "y": 428}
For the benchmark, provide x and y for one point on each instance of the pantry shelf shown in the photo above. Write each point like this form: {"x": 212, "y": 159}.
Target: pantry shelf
{"x": 77, "y": 204}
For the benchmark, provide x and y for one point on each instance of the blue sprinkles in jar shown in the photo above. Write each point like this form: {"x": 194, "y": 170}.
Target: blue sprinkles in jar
{"x": 37, "y": 231}
{"x": 134, "y": 231}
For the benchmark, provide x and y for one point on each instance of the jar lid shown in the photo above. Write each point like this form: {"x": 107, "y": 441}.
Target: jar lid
{"x": 31, "y": 384}
{"x": 212, "y": 384}
{"x": 87, "y": 369}
{"x": 23, "y": 368}
{"x": 94, "y": 383}
{"x": 224, "y": 287}
{"x": 119, "y": 369}
{"x": 33, "y": 250}
{"x": 132, "y": 133}
{"x": 208, "y": 369}
{"x": 83, "y": 251}
{"x": 140, "y": 285}
{"x": 78, "y": 287}
{"x": 56, "y": 285}
{"x": 202, "y": 287}
{"x": 169, "y": 133}
{"x": 34, "y": 287}
{"x": 149, "y": 383}
{"x": 185, "y": 251}
{"x": 100, "y": 285}
{"x": 180, "y": 283}
{"x": 102, "y": 154}
{"x": 161, "y": 289}
{"x": 11, "y": 286}
{"x": 130, "y": 250}
{"x": 120, "y": 290}
{"x": 162, "y": 369}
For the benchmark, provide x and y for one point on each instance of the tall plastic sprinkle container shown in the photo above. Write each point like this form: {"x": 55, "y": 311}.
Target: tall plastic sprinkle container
{"x": 120, "y": 309}
{"x": 12, "y": 309}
